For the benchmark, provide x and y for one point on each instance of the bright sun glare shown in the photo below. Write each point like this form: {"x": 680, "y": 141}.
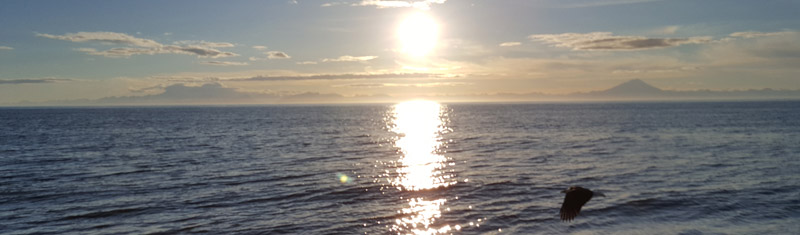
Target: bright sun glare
{"x": 418, "y": 34}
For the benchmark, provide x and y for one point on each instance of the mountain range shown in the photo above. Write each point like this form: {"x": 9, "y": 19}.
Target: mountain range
{"x": 214, "y": 93}
{"x": 637, "y": 89}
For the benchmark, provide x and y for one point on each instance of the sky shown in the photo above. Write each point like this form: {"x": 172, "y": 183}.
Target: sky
{"x": 91, "y": 49}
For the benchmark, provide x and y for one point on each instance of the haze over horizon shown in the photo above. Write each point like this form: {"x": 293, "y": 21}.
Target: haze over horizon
{"x": 62, "y": 51}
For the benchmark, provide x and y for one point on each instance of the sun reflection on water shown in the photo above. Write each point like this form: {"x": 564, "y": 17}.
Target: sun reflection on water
{"x": 419, "y": 125}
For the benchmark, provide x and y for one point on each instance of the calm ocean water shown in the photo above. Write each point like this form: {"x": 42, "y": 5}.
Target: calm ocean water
{"x": 418, "y": 168}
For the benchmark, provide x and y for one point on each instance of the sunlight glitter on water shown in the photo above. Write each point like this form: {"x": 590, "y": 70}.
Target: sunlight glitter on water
{"x": 419, "y": 125}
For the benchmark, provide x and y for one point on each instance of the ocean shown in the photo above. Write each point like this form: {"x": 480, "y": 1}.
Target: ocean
{"x": 410, "y": 168}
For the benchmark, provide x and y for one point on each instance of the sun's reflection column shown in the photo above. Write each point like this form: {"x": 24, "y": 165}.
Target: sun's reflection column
{"x": 419, "y": 125}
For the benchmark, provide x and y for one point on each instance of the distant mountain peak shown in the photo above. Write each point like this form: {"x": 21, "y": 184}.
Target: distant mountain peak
{"x": 635, "y": 87}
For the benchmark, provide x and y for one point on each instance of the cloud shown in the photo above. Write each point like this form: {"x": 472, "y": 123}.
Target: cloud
{"x": 6, "y": 48}
{"x": 348, "y": 76}
{"x": 187, "y": 79}
{"x": 424, "y": 5}
{"x": 362, "y": 85}
{"x": 510, "y": 44}
{"x": 34, "y": 80}
{"x": 104, "y": 37}
{"x": 142, "y": 46}
{"x": 307, "y": 62}
{"x": 416, "y": 85}
{"x": 260, "y": 48}
{"x": 605, "y": 41}
{"x": 347, "y": 58}
{"x": 125, "y": 52}
{"x": 205, "y": 44}
{"x": 754, "y": 34}
{"x": 271, "y": 55}
{"x": 146, "y": 89}
{"x": 330, "y": 4}
{"x": 119, "y": 52}
{"x": 567, "y": 74}
{"x": 277, "y": 55}
{"x": 757, "y": 47}
{"x": 199, "y": 51}
{"x": 599, "y": 3}
{"x": 224, "y": 63}
{"x": 281, "y": 75}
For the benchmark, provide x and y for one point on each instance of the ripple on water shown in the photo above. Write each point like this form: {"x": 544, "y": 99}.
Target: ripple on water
{"x": 672, "y": 168}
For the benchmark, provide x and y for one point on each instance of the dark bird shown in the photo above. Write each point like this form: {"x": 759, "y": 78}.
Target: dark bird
{"x": 576, "y": 197}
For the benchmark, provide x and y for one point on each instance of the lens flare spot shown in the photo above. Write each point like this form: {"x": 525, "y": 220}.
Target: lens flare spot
{"x": 343, "y": 178}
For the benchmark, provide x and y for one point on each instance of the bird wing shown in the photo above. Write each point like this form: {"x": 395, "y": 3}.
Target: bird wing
{"x": 573, "y": 203}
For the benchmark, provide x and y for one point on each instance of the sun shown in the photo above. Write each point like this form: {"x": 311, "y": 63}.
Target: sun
{"x": 418, "y": 34}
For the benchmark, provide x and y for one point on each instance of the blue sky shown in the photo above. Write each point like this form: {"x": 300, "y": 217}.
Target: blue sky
{"x": 60, "y": 50}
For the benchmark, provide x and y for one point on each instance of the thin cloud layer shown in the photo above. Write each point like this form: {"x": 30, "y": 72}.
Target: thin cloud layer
{"x": 205, "y": 44}
{"x": 605, "y": 41}
{"x": 142, "y": 46}
{"x": 119, "y": 52}
{"x": 104, "y": 37}
{"x": 6, "y": 48}
{"x": 600, "y": 3}
{"x": 199, "y": 51}
{"x": 348, "y": 58}
{"x": 254, "y": 77}
{"x": 424, "y": 5}
{"x": 353, "y": 76}
{"x": 510, "y": 44}
{"x": 146, "y": 89}
{"x": 415, "y": 85}
{"x": 779, "y": 48}
{"x": 34, "y": 80}
{"x": 224, "y": 63}
{"x": 125, "y": 52}
{"x": 754, "y": 34}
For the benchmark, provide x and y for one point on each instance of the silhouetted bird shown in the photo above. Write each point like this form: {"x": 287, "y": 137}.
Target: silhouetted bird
{"x": 576, "y": 197}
